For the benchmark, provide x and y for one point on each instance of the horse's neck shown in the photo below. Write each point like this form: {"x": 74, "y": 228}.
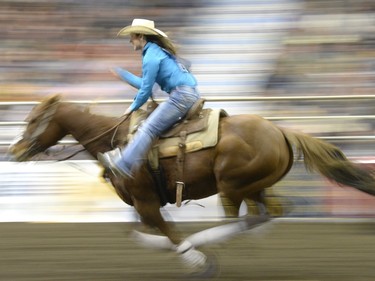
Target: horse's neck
{"x": 81, "y": 124}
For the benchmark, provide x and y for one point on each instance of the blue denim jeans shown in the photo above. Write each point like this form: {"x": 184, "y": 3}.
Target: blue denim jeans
{"x": 168, "y": 113}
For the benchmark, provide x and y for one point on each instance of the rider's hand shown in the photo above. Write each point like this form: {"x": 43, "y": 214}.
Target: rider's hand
{"x": 115, "y": 71}
{"x": 127, "y": 111}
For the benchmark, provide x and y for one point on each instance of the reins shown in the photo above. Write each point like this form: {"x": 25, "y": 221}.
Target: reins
{"x": 115, "y": 127}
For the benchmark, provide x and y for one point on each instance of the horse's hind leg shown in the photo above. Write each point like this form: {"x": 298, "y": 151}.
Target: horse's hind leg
{"x": 231, "y": 205}
{"x": 261, "y": 203}
{"x": 265, "y": 202}
{"x": 255, "y": 203}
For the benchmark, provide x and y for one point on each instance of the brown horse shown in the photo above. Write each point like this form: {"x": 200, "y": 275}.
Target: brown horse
{"x": 251, "y": 154}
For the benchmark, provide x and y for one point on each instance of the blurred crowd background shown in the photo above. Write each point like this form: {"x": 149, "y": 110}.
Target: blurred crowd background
{"x": 71, "y": 45}
{"x": 245, "y": 48}
{"x": 276, "y": 55}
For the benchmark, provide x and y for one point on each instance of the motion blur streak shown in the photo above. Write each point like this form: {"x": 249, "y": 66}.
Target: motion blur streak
{"x": 238, "y": 48}
{"x": 280, "y": 48}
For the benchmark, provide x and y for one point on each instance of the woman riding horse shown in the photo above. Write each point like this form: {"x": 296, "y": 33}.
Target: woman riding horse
{"x": 160, "y": 65}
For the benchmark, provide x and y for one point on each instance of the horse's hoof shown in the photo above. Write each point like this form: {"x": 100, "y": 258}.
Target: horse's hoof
{"x": 210, "y": 269}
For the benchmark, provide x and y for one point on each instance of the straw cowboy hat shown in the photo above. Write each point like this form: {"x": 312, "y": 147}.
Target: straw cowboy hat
{"x": 141, "y": 26}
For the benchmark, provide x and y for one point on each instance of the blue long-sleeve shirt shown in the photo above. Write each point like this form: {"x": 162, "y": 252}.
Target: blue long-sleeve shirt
{"x": 160, "y": 67}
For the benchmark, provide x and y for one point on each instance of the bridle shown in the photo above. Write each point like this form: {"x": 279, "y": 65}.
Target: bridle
{"x": 115, "y": 127}
{"x": 35, "y": 146}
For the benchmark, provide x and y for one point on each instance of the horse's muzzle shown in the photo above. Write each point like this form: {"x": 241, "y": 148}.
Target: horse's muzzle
{"x": 20, "y": 151}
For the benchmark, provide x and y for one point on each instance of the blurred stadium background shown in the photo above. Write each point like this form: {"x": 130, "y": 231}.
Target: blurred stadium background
{"x": 308, "y": 65}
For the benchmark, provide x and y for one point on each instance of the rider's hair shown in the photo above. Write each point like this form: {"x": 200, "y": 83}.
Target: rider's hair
{"x": 163, "y": 42}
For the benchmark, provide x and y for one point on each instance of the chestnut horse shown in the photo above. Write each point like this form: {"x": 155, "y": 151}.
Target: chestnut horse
{"x": 251, "y": 154}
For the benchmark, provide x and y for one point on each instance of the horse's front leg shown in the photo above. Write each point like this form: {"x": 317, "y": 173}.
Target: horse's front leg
{"x": 151, "y": 216}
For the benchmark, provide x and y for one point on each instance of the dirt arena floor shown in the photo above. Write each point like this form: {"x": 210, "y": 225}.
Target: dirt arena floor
{"x": 283, "y": 251}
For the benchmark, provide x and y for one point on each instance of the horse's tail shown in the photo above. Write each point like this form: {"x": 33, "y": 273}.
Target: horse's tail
{"x": 330, "y": 161}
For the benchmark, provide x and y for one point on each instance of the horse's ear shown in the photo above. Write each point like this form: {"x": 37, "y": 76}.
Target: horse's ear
{"x": 52, "y": 99}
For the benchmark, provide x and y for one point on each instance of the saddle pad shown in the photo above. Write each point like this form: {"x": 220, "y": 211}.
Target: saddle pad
{"x": 207, "y": 138}
{"x": 190, "y": 126}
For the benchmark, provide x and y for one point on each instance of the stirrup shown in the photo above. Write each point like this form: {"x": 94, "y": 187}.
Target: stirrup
{"x": 108, "y": 161}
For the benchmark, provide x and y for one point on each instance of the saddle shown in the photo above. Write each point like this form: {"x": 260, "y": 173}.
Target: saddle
{"x": 198, "y": 130}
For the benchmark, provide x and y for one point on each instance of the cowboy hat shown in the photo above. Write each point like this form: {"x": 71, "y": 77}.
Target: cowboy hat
{"x": 141, "y": 26}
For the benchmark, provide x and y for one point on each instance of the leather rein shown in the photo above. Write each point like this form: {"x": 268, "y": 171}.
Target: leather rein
{"x": 47, "y": 117}
{"x": 115, "y": 127}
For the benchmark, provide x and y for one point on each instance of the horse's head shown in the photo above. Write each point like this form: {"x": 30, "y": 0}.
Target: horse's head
{"x": 41, "y": 131}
